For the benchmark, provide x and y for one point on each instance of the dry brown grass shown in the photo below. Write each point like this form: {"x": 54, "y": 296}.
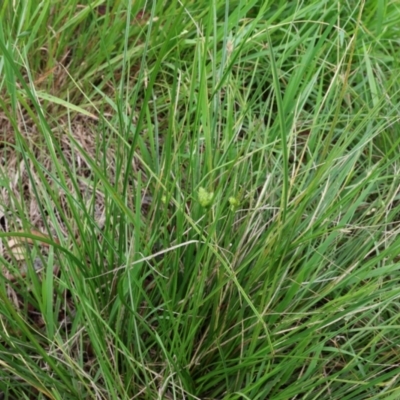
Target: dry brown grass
{"x": 19, "y": 194}
{"x": 28, "y": 178}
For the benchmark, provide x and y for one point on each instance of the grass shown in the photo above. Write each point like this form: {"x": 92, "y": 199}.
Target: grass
{"x": 199, "y": 200}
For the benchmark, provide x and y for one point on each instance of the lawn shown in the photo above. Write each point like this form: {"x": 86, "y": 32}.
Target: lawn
{"x": 199, "y": 199}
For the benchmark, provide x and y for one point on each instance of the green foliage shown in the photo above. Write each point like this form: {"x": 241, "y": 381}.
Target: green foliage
{"x": 223, "y": 181}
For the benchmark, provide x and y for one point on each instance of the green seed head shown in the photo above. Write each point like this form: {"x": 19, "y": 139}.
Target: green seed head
{"x": 205, "y": 198}
{"x": 234, "y": 202}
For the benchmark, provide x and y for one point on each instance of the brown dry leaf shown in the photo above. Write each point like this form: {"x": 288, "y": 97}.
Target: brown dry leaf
{"x": 18, "y": 249}
{"x": 17, "y": 241}
{"x": 44, "y": 76}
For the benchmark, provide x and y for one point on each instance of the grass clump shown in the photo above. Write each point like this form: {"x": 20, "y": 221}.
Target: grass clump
{"x": 204, "y": 197}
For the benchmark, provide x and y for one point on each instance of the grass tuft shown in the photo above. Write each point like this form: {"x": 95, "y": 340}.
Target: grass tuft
{"x": 199, "y": 200}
